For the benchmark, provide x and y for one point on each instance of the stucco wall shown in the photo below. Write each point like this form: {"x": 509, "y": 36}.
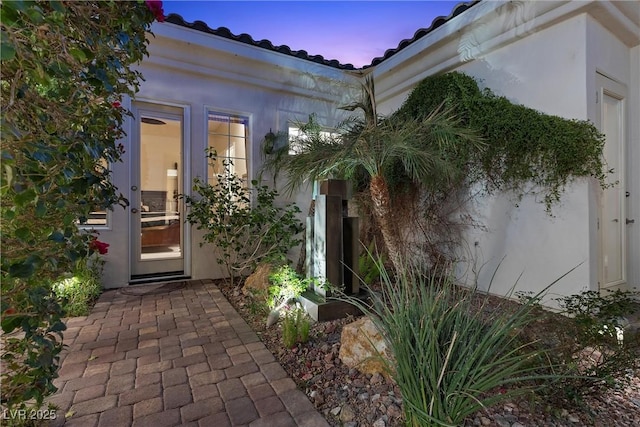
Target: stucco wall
{"x": 203, "y": 73}
{"x": 548, "y": 62}
{"x": 545, "y": 71}
{"x": 541, "y": 54}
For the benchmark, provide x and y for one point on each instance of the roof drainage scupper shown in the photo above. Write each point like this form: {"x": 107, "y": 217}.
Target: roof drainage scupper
{"x": 302, "y": 54}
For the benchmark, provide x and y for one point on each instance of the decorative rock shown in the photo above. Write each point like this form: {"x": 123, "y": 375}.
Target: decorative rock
{"x": 485, "y": 421}
{"x": 375, "y": 379}
{"x": 356, "y": 349}
{"x": 363, "y": 396}
{"x": 393, "y": 411}
{"x": 379, "y": 423}
{"x": 273, "y": 317}
{"x": 347, "y": 414}
{"x": 335, "y": 411}
{"x": 258, "y": 281}
{"x": 501, "y": 421}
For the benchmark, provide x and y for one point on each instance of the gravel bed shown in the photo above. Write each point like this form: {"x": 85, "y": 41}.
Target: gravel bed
{"x": 349, "y": 398}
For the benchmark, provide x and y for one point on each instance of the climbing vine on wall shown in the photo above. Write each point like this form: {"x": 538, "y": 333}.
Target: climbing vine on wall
{"x": 524, "y": 151}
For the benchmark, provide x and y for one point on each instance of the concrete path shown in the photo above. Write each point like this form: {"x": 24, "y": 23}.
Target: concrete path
{"x": 173, "y": 354}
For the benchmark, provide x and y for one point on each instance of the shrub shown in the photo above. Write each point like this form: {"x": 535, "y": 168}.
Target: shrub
{"x": 286, "y": 286}
{"x": 586, "y": 346}
{"x": 368, "y": 267}
{"x": 78, "y": 291}
{"x": 447, "y": 359}
{"x": 295, "y": 327}
{"x": 242, "y": 234}
{"x": 65, "y": 69}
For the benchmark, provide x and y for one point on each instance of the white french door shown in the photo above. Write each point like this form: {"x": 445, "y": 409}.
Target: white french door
{"x": 156, "y": 214}
{"x": 613, "y": 218}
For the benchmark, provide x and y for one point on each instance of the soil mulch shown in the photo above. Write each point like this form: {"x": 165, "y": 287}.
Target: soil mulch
{"x": 349, "y": 398}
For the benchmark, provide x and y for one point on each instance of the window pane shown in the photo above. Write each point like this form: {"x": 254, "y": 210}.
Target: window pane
{"x": 97, "y": 217}
{"x": 228, "y": 137}
{"x": 297, "y": 139}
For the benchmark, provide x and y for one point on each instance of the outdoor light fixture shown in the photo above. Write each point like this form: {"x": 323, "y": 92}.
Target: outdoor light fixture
{"x": 269, "y": 142}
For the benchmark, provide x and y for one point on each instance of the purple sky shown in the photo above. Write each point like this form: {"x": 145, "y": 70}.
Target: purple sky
{"x": 350, "y": 31}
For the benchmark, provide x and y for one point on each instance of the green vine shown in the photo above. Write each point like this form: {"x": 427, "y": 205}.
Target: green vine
{"x": 525, "y": 151}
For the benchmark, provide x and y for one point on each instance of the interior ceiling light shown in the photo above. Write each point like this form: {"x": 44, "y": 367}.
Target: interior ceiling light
{"x": 151, "y": 121}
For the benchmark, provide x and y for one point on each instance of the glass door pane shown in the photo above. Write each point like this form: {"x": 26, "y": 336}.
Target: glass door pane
{"x": 157, "y": 217}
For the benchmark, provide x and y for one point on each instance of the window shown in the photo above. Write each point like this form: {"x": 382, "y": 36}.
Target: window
{"x": 297, "y": 138}
{"x": 227, "y": 136}
{"x": 99, "y": 217}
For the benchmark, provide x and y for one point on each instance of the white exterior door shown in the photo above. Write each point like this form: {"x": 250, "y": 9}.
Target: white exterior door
{"x": 156, "y": 214}
{"x": 613, "y": 220}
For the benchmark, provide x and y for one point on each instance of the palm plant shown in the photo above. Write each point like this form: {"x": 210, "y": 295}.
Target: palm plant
{"x": 371, "y": 145}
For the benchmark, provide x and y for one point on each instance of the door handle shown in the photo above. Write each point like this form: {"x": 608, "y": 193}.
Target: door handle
{"x": 134, "y": 210}
{"x": 630, "y": 221}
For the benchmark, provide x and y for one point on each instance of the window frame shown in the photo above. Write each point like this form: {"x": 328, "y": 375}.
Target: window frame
{"x": 245, "y": 119}
{"x": 107, "y": 212}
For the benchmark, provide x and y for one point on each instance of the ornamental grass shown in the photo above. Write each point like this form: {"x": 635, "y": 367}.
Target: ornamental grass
{"x": 451, "y": 359}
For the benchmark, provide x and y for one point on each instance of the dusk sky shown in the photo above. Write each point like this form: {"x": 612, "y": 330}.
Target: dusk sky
{"x": 352, "y": 32}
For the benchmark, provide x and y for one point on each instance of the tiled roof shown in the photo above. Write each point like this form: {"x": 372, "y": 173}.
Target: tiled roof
{"x": 266, "y": 44}
{"x": 437, "y": 22}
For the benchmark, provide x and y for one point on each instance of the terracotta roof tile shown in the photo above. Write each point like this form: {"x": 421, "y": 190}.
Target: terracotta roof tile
{"x": 286, "y": 50}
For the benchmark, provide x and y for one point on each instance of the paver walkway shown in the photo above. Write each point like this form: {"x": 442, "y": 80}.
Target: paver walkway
{"x": 173, "y": 354}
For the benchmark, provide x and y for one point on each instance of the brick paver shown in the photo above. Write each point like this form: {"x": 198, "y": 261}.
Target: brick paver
{"x": 173, "y": 354}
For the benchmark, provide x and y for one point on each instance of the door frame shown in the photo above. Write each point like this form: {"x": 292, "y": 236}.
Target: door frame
{"x": 134, "y": 138}
{"x": 610, "y": 87}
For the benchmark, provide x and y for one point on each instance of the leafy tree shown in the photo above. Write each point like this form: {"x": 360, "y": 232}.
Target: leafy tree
{"x": 65, "y": 67}
{"x": 369, "y": 146}
{"x": 244, "y": 225}
{"x": 448, "y": 135}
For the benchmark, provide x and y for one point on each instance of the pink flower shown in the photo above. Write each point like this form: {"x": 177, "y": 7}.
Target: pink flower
{"x": 116, "y": 104}
{"x": 155, "y": 6}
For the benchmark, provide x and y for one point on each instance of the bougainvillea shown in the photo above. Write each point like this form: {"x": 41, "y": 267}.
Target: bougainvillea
{"x": 96, "y": 245}
{"x": 66, "y": 66}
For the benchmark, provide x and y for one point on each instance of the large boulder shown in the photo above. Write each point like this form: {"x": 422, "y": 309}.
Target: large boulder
{"x": 258, "y": 282}
{"x": 362, "y": 346}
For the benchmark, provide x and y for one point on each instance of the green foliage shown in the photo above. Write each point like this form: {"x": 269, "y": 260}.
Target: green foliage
{"x": 368, "y": 267}
{"x": 30, "y": 363}
{"x": 295, "y": 327}
{"x": 449, "y": 360}
{"x": 80, "y": 289}
{"x": 598, "y": 315}
{"x": 242, "y": 235}
{"x": 525, "y": 149}
{"x": 65, "y": 68}
{"x": 589, "y": 345}
{"x": 364, "y": 147}
{"x": 286, "y": 285}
